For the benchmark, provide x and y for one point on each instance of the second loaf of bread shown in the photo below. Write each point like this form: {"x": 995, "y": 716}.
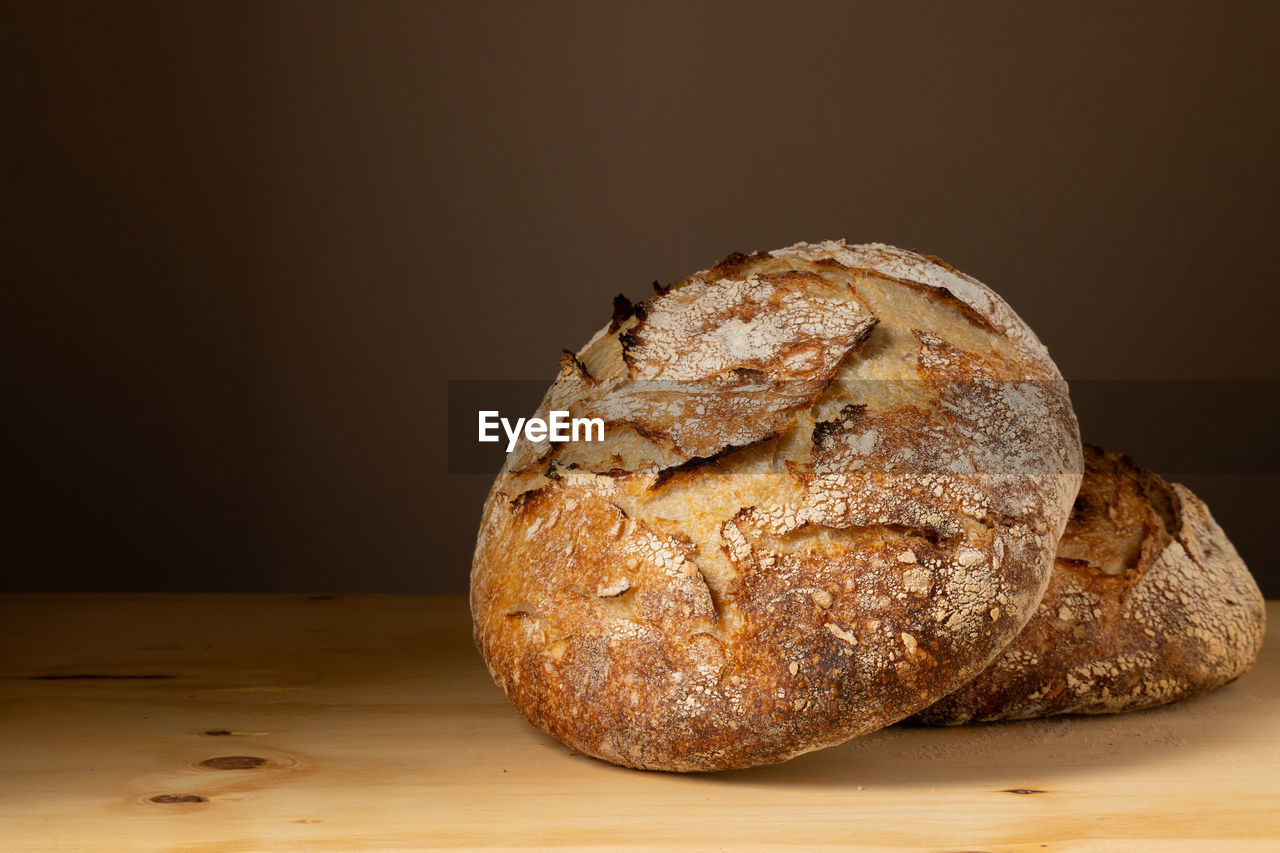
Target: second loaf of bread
{"x": 1148, "y": 603}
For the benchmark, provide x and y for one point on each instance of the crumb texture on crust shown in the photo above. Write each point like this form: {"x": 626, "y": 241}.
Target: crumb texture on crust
{"x": 1148, "y": 603}
{"x": 831, "y": 486}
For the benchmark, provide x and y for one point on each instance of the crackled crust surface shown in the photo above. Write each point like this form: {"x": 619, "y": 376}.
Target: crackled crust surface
{"x": 1148, "y": 603}
{"x": 830, "y": 490}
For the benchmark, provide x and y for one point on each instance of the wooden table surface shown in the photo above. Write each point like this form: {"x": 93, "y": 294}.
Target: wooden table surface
{"x": 279, "y": 723}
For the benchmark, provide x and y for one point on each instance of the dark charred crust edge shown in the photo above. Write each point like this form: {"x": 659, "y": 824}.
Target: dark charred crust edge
{"x": 748, "y": 374}
{"x": 846, "y": 416}
{"x": 571, "y": 365}
{"x": 522, "y": 502}
{"x": 715, "y": 459}
{"x": 861, "y": 338}
{"x": 525, "y": 499}
{"x": 623, "y": 311}
{"x": 629, "y": 341}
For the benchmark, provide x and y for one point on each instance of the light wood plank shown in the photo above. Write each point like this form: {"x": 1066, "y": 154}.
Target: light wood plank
{"x": 379, "y": 729}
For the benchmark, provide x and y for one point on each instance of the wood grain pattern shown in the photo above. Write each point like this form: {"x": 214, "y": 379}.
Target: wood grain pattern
{"x": 283, "y": 723}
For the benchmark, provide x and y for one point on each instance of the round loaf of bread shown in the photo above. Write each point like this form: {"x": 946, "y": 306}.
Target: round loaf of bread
{"x": 829, "y": 491}
{"x": 1148, "y": 603}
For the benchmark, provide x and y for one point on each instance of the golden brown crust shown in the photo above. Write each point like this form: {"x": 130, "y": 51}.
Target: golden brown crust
{"x": 1148, "y": 603}
{"x": 828, "y": 496}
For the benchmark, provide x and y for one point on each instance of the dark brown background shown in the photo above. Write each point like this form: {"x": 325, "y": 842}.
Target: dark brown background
{"x": 245, "y": 245}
